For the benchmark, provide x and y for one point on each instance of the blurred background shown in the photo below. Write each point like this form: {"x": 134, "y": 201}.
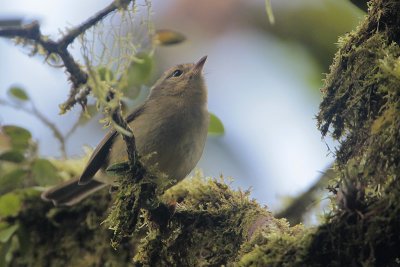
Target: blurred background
{"x": 263, "y": 82}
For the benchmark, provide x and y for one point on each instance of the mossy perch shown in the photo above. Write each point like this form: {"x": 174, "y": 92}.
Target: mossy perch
{"x": 209, "y": 225}
{"x": 213, "y": 225}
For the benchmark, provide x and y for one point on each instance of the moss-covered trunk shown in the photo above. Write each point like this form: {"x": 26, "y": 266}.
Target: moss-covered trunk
{"x": 213, "y": 225}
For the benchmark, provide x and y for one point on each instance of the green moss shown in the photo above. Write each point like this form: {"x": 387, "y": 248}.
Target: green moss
{"x": 361, "y": 108}
{"x": 275, "y": 247}
{"x": 348, "y": 238}
{"x": 361, "y": 105}
{"x": 137, "y": 190}
{"x": 69, "y": 236}
{"x": 209, "y": 225}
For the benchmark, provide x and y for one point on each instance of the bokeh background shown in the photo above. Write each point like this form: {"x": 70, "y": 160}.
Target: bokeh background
{"x": 263, "y": 82}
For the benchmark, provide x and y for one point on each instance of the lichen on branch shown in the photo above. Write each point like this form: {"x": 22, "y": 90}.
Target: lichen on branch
{"x": 31, "y": 34}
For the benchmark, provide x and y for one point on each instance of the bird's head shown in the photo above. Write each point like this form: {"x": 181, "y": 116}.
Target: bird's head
{"x": 184, "y": 80}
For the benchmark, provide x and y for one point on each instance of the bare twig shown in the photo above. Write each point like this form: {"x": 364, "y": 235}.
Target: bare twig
{"x": 35, "y": 112}
{"x": 72, "y": 129}
{"x": 301, "y": 204}
{"x": 75, "y": 32}
{"x": 77, "y": 76}
{"x": 129, "y": 138}
{"x": 32, "y": 32}
{"x": 57, "y": 134}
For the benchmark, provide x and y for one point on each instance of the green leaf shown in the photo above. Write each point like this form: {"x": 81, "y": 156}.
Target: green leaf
{"x": 5, "y": 142}
{"x": 4, "y": 251}
{"x": 7, "y": 232}
{"x": 19, "y": 136}
{"x": 137, "y": 74}
{"x": 18, "y": 93}
{"x": 12, "y": 156}
{"x": 44, "y": 173}
{"x": 105, "y": 74}
{"x": 117, "y": 169}
{"x": 10, "y": 204}
{"x": 215, "y": 126}
{"x": 168, "y": 37}
{"x": 12, "y": 180}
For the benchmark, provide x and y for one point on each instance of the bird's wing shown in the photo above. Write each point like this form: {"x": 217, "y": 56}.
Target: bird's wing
{"x": 102, "y": 150}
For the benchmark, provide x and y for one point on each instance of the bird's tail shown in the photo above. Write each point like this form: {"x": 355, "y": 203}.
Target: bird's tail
{"x": 70, "y": 192}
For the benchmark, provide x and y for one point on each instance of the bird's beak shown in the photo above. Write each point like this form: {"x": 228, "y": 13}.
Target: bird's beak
{"x": 198, "y": 67}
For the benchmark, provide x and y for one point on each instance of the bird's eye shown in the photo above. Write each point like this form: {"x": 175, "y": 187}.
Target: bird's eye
{"x": 176, "y": 73}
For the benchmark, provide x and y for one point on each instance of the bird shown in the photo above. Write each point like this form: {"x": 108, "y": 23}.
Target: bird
{"x": 170, "y": 129}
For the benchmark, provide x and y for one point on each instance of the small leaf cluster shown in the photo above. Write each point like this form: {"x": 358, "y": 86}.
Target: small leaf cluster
{"x": 22, "y": 174}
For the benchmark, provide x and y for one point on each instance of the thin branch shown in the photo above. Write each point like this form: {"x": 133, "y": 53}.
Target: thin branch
{"x": 57, "y": 134}
{"x": 129, "y": 138}
{"x": 73, "y": 128}
{"x": 77, "y": 76}
{"x": 75, "y": 32}
{"x": 32, "y": 32}
{"x": 35, "y": 112}
{"x": 361, "y": 4}
{"x": 301, "y": 204}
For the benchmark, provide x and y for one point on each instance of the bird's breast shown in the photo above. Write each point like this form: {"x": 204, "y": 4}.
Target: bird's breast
{"x": 172, "y": 142}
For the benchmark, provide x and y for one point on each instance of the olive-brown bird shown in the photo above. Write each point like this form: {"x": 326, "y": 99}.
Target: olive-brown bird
{"x": 170, "y": 130}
